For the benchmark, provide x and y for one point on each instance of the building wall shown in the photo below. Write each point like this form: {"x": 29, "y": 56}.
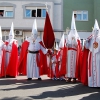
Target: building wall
{"x": 55, "y": 10}
{"x": 72, "y": 5}
{"x": 19, "y": 20}
{"x": 97, "y": 10}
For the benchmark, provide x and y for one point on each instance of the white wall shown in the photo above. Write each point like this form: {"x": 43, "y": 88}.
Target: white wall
{"x": 84, "y": 35}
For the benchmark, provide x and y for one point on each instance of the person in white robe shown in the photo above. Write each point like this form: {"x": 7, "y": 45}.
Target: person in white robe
{"x": 33, "y": 53}
{"x": 93, "y": 44}
{"x": 71, "y": 52}
{"x": 54, "y": 61}
{"x": 9, "y": 43}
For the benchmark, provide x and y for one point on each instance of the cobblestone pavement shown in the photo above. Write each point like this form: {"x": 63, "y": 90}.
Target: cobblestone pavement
{"x": 21, "y": 89}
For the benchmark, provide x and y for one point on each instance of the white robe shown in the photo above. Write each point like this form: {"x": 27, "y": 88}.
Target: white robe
{"x": 54, "y": 60}
{"x": 71, "y": 59}
{"x": 32, "y": 68}
{"x": 94, "y": 78}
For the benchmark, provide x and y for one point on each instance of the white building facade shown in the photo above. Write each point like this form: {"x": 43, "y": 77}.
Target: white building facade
{"x": 23, "y": 12}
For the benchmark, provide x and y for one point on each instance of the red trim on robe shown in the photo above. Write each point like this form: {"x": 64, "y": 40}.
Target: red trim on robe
{"x": 90, "y": 64}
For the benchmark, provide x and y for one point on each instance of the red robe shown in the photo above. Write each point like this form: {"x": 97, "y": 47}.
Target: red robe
{"x": 12, "y": 68}
{"x": 3, "y": 70}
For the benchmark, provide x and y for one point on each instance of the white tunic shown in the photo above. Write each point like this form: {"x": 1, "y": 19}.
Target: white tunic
{"x": 71, "y": 59}
{"x": 2, "y": 46}
{"x": 54, "y": 60}
{"x": 94, "y": 78}
{"x": 32, "y": 68}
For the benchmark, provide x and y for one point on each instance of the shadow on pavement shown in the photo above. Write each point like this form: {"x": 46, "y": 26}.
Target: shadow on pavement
{"x": 63, "y": 91}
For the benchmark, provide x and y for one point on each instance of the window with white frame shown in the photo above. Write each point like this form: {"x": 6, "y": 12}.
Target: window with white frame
{"x": 6, "y": 11}
{"x": 35, "y": 12}
{"x": 5, "y": 38}
{"x": 81, "y": 15}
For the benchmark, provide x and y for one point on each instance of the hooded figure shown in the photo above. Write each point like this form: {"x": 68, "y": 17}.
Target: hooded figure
{"x": 11, "y": 55}
{"x": 92, "y": 63}
{"x": 73, "y": 49}
{"x": 29, "y": 61}
{"x": 2, "y": 56}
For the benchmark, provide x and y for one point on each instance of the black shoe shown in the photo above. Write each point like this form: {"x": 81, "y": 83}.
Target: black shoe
{"x": 7, "y": 76}
{"x": 39, "y": 79}
{"x": 29, "y": 79}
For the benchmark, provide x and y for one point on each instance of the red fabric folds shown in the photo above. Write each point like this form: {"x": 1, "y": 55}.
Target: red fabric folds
{"x": 12, "y": 68}
{"x": 84, "y": 71}
{"x": 78, "y": 67}
{"x": 43, "y": 62}
{"x": 63, "y": 63}
{"x": 89, "y": 64}
{"x": 48, "y": 36}
{"x": 3, "y": 70}
{"x": 23, "y": 58}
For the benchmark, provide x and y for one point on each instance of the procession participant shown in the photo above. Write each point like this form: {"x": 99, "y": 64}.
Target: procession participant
{"x": 11, "y": 58}
{"x": 73, "y": 45}
{"x": 92, "y": 62}
{"x": 30, "y": 54}
{"x": 55, "y": 66}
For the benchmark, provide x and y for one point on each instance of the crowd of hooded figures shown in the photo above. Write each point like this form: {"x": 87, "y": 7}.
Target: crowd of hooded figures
{"x": 67, "y": 61}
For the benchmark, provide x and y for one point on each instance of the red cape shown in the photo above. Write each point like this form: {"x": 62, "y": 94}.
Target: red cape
{"x": 23, "y": 58}
{"x": 84, "y": 70}
{"x": 12, "y": 68}
{"x": 3, "y": 70}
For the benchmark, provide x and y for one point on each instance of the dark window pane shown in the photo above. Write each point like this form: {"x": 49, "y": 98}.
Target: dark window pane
{"x": 38, "y": 12}
{"x": 1, "y": 13}
{"x": 33, "y": 13}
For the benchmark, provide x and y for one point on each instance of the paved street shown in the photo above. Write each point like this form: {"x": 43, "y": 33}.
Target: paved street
{"x": 21, "y": 89}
